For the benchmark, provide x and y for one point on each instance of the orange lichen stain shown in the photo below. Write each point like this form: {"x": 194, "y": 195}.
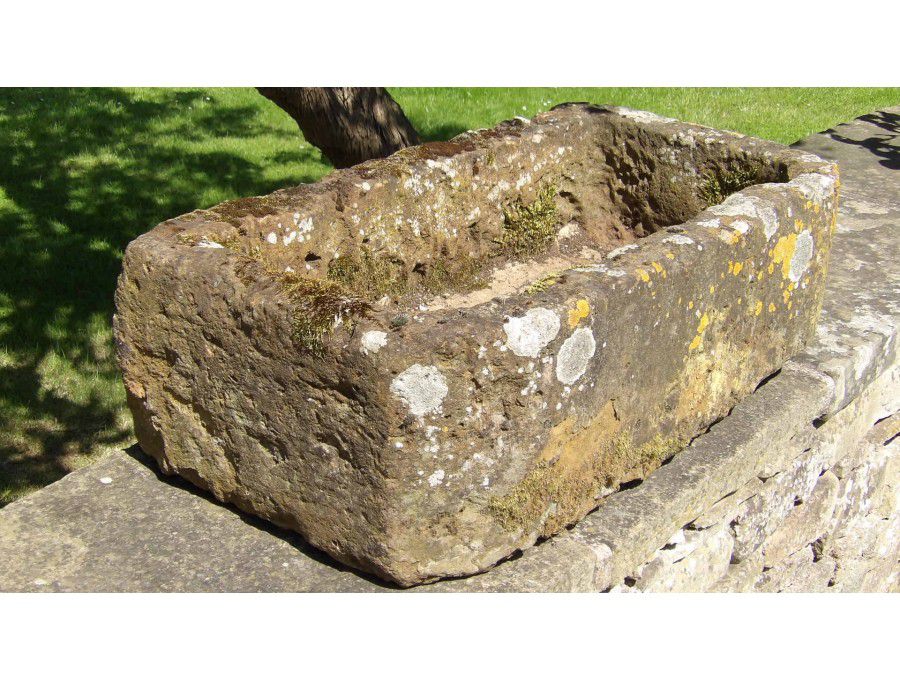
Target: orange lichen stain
{"x": 771, "y": 307}
{"x": 758, "y": 309}
{"x": 581, "y": 311}
{"x": 784, "y": 251}
{"x": 642, "y": 275}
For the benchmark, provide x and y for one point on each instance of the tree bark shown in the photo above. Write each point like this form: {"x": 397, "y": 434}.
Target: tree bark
{"x": 348, "y": 124}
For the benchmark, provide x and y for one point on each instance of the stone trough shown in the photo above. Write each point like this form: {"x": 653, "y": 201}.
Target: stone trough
{"x": 425, "y": 363}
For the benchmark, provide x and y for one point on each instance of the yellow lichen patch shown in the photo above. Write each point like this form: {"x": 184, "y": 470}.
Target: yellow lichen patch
{"x": 577, "y": 462}
{"x": 771, "y": 307}
{"x": 642, "y": 275}
{"x": 690, "y": 304}
{"x": 712, "y": 289}
{"x": 701, "y": 329}
{"x": 730, "y": 266}
{"x": 798, "y": 224}
{"x": 738, "y": 266}
{"x": 704, "y": 322}
{"x": 771, "y": 267}
{"x": 670, "y": 256}
{"x": 581, "y": 311}
{"x": 786, "y": 295}
{"x": 783, "y": 252}
{"x": 659, "y": 268}
{"x": 757, "y": 310}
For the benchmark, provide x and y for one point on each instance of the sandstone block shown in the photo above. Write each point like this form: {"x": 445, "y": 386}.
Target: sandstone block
{"x": 691, "y": 561}
{"x": 761, "y": 515}
{"x": 425, "y": 363}
{"x": 805, "y": 523}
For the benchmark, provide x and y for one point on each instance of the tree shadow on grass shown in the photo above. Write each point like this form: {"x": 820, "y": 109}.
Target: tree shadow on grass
{"x": 82, "y": 173}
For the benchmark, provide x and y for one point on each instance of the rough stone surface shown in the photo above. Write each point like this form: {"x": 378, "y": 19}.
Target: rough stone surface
{"x": 425, "y": 363}
{"x": 138, "y": 532}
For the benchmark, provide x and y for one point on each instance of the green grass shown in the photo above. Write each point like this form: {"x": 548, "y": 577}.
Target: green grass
{"x": 82, "y": 172}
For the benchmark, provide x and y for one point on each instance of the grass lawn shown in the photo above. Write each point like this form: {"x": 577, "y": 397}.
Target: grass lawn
{"x": 82, "y": 172}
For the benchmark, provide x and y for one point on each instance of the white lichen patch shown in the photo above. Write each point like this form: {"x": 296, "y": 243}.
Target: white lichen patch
{"x": 574, "y": 355}
{"x": 803, "y": 252}
{"x": 527, "y": 335}
{"x": 711, "y": 224}
{"x": 421, "y": 388}
{"x": 436, "y": 478}
{"x": 272, "y": 238}
{"x": 204, "y": 243}
{"x": 679, "y": 240}
{"x": 813, "y": 186}
{"x": 641, "y": 116}
{"x": 372, "y": 341}
{"x": 612, "y": 254}
{"x": 741, "y": 226}
{"x": 568, "y": 230}
{"x": 739, "y": 205}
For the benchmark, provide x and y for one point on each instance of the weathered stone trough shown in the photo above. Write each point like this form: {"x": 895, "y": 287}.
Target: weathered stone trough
{"x": 427, "y": 362}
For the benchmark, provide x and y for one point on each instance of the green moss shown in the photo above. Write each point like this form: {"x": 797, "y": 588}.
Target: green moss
{"x": 369, "y": 276}
{"x": 460, "y": 274}
{"x": 318, "y": 306}
{"x": 574, "y": 491}
{"x": 717, "y": 186}
{"x": 544, "y": 283}
{"x": 529, "y": 229}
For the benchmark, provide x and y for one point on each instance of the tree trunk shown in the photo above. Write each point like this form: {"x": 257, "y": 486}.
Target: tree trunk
{"x": 348, "y": 124}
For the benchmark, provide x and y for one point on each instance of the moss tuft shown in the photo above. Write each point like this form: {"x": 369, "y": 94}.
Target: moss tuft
{"x": 459, "y": 275}
{"x": 529, "y": 229}
{"x": 369, "y": 276}
{"x": 717, "y": 186}
{"x": 544, "y": 283}
{"x": 319, "y": 306}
